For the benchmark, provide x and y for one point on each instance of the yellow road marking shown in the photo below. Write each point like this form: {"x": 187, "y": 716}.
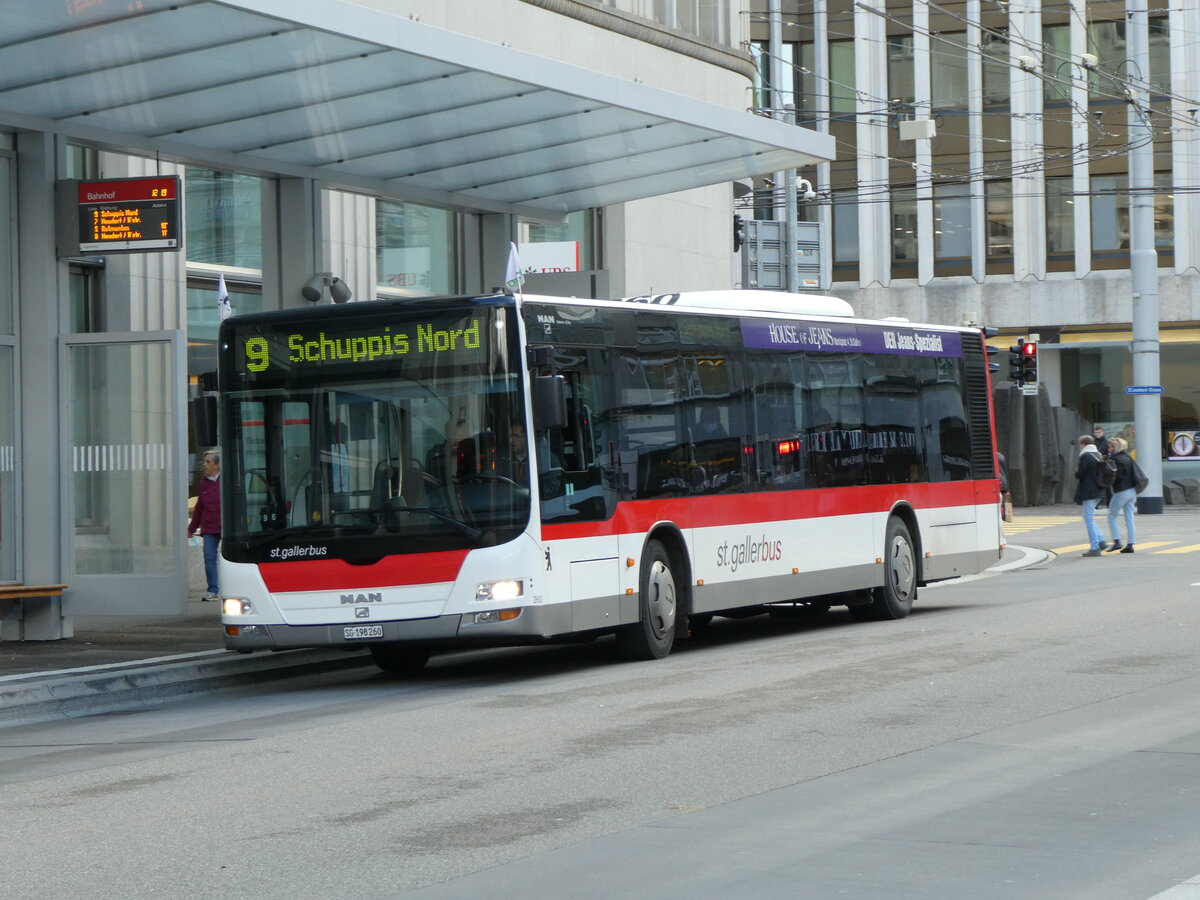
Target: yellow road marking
{"x": 1190, "y": 548}
{"x": 1071, "y": 549}
{"x": 1138, "y": 545}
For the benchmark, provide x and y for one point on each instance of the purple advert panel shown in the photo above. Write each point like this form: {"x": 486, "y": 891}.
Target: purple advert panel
{"x": 835, "y": 337}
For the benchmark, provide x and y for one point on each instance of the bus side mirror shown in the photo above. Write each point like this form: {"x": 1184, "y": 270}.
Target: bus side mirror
{"x": 549, "y": 402}
{"x": 204, "y": 421}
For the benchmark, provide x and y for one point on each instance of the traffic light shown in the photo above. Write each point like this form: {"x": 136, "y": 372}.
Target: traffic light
{"x": 739, "y": 233}
{"x": 1016, "y": 362}
{"x": 1029, "y": 364}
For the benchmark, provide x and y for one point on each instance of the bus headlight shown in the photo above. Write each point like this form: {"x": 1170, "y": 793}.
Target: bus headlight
{"x": 233, "y": 606}
{"x": 500, "y": 590}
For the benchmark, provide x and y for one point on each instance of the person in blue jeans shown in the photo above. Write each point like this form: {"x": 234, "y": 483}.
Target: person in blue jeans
{"x": 1090, "y": 492}
{"x": 1124, "y": 495}
{"x": 207, "y": 517}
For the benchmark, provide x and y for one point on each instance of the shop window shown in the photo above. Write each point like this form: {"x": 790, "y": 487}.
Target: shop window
{"x": 416, "y": 249}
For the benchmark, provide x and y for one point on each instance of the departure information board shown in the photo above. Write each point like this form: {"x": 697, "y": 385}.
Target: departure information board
{"x": 128, "y": 214}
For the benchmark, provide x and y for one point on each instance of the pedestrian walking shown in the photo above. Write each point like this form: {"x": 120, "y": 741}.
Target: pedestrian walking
{"x": 1124, "y": 495}
{"x": 1090, "y": 491}
{"x": 207, "y": 518}
{"x": 1100, "y": 439}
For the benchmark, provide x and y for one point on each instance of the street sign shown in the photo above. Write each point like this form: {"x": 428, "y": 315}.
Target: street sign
{"x": 1144, "y": 389}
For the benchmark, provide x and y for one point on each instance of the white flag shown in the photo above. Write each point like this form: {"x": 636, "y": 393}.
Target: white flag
{"x": 513, "y": 276}
{"x": 224, "y": 310}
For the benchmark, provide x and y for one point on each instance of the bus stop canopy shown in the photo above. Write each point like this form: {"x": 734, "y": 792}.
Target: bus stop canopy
{"x": 369, "y": 101}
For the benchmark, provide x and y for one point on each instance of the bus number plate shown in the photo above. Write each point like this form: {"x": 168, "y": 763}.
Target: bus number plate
{"x": 358, "y": 632}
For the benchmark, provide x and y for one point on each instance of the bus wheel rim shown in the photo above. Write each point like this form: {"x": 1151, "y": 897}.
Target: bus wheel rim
{"x": 903, "y": 568}
{"x": 661, "y": 599}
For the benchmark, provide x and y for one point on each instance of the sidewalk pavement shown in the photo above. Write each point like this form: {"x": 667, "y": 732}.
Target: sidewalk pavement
{"x": 121, "y": 663}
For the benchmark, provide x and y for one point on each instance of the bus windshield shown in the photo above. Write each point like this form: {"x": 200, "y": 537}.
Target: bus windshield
{"x": 339, "y": 449}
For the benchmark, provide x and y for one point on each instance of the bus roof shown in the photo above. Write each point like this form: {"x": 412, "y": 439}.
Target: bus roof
{"x": 731, "y": 301}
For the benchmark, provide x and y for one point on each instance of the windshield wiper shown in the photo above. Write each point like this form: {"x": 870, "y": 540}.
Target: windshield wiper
{"x": 469, "y": 530}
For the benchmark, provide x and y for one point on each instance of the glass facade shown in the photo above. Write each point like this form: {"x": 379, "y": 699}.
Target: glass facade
{"x": 8, "y": 468}
{"x": 416, "y": 249}
{"x": 224, "y": 218}
{"x": 121, "y": 438}
{"x": 7, "y": 244}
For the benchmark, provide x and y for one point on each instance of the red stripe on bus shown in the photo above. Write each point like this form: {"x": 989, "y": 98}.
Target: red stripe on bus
{"x": 746, "y": 509}
{"x": 334, "y": 574}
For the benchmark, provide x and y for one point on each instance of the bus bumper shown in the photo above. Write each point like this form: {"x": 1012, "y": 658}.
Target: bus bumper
{"x": 533, "y": 624}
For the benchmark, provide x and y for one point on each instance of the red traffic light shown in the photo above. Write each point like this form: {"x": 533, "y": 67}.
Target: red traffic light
{"x": 1029, "y": 349}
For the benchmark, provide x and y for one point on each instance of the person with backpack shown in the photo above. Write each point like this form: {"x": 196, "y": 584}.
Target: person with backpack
{"x": 1091, "y": 475}
{"x": 1124, "y": 494}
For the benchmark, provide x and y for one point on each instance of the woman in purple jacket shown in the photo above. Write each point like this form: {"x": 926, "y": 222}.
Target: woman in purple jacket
{"x": 207, "y": 517}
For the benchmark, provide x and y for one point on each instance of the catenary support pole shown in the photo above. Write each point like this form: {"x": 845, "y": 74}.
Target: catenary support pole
{"x": 1143, "y": 259}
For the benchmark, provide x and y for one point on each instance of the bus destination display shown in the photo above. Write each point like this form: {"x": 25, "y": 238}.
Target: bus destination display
{"x": 267, "y": 352}
{"x": 128, "y": 215}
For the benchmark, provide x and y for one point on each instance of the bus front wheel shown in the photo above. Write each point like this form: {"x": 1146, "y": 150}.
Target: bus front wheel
{"x": 398, "y": 659}
{"x": 652, "y": 636}
{"x": 895, "y": 599}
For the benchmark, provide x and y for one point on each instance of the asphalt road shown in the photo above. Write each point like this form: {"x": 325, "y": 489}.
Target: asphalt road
{"x": 1033, "y": 734}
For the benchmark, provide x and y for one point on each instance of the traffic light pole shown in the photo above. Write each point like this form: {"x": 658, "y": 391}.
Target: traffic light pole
{"x": 1143, "y": 259}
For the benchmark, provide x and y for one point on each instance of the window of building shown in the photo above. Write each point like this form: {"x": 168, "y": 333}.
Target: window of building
{"x": 951, "y": 229}
{"x": 904, "y": 233}
{"x": 799, "y": 86}
{"x": 845, "y": 235}
{"x": 997, "y": 70}
{"x": 1056, "y": 39}
{"x": 7, "y": 243}
{"x": 224, "y": 218}
{"x": 1060, "y": 224}
{"x": 83, "y": 292}
{"x": 9, "y": 532}
{"x": 949, "y": 70}
{"x": 998, "y": 210}
{"x": 901, "y": 88}
{"x": 710, "y": 20}
{"x": 842, "y": 96}
{"x": 566, "y": 247}
{"x": 1110, "y": 222}
{"x": 1107, "y": 40}
{"x": 416, "y": 249}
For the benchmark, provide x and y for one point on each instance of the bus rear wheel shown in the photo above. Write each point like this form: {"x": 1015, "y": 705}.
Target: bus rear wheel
{"x": 398, "y": 659}
{"x": 652, "y": 636}
{"x": 895, "y": 599}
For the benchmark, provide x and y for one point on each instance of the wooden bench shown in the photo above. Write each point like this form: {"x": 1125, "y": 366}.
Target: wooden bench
{"x": 21, "y": 591}
{"x": 13, "y": 624}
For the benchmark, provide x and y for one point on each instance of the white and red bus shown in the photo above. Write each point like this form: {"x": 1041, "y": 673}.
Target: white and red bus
{"x": 418, "y": 475}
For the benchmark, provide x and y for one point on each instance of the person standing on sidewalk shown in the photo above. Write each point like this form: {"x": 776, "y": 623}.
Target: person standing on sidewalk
{"x": 1090, "y": 491}
{"x": 207, "y": 518}
{"x": 1124, "y": 495}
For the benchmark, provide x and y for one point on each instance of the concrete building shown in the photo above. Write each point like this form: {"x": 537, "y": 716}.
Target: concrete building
{"x": 397, "y": 146}
{"x": 982, "y": 174}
